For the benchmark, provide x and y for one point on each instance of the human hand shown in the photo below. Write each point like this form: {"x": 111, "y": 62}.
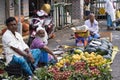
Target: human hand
{"x": 27, "y": 50}
{"x": 106, "y": 13}
{"x": 92, "y": 33}
{"x": 56, "y": 58}
{"x": 30, "y": 58}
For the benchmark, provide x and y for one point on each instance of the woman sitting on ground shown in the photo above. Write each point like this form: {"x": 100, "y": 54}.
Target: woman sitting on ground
{"x": 40, "y": 43}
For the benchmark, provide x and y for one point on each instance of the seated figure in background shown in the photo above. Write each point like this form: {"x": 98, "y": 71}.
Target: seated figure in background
{"x": 40, "y": 43}
{"x": 92, "y": 25}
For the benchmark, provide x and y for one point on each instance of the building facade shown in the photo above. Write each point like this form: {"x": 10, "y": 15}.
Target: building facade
{"x": 10, "y": 8}
{"x": 2, "y": 11}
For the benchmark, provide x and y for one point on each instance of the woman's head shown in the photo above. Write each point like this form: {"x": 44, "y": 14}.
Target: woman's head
{"x": 11, "y": 24}
{"x": 40, "y": 32}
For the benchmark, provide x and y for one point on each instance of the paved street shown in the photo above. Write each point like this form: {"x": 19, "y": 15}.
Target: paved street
{"x": 63, "y": 38}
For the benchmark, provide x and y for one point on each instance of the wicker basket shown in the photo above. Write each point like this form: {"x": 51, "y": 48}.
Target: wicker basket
{"x": 83, "y": 34}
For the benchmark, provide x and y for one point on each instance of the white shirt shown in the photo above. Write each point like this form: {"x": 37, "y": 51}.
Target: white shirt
{"x": 92, "y": 27}
{"x": 8, "y": 39}
{"x": 109, "y": 8}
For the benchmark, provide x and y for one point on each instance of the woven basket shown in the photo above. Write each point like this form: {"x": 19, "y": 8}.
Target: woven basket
{"x": 83, "y": 34}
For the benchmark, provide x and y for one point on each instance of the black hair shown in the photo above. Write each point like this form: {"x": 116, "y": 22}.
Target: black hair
{"x": 10, "y": 19}
{"x": 46, "y": 1}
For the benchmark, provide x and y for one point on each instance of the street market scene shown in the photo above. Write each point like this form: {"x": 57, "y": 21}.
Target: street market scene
{"x": 60, "y": 40}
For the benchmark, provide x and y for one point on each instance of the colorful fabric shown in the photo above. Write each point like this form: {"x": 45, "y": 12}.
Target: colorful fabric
{"x": 37, "y": 43}
{"x": 25, "y": 64}
{"x": 95, "y": 36}
{"x": 43, "y": 57}
{"x": 109, "y": 21}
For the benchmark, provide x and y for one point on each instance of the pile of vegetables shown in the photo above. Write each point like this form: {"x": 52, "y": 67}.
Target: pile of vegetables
{"x": 82, "y": 66}
{"x": 100, "y": 46}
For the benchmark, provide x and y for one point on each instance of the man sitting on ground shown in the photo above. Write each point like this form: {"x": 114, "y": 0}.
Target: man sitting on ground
{"x": 16, "y": 51}
{"x": 92, "y": 25}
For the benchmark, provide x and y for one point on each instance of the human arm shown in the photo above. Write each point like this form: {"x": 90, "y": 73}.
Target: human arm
{"x": 91, "y": 27}
{"x": 50, "y": 52}
{"x": 26, "y": 49}
{"x": 94, "y": 29}
{"x": 23, "y": 53}
{"x": 37, "y": 43}
{"x": 96, "y": 26}
{"x": 12, "y": 44}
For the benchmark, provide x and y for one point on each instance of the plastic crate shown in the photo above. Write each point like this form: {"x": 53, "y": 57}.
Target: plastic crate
{"x": 83, "y": 34}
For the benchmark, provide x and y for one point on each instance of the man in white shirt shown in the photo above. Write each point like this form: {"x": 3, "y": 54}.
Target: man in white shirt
{"x": 16, "y": 51}
{"x": 92, "y": 25}
{"x": 110, "y": 11}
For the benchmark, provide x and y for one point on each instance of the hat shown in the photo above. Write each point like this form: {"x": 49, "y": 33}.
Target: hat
{"x": 41, "y": 13}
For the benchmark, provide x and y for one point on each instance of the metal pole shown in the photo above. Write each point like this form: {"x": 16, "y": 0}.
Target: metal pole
{"x": 19, "y": 19}
{"x": 81, "y": 9}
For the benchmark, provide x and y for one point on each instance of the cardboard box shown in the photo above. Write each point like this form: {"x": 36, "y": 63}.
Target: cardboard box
{"x": 107, "y": 35}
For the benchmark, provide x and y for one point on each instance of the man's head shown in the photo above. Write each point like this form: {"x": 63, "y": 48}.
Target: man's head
{"x": 40, "y": 32}
{"x": 87, "y": 1}
{"x": 91, "y": 17}
{"x": 11, "y": 24}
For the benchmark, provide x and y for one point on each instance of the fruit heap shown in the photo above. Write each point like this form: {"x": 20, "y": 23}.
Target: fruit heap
{"x": 59, "y": 74}
{"x": 92, "y": 59}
